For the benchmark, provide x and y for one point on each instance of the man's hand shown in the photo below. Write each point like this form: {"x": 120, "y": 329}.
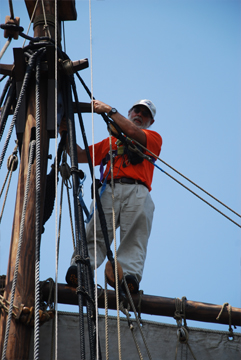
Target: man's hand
{"x": 100, "y": 107}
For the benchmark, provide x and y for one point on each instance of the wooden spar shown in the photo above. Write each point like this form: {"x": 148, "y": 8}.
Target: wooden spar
{"x": 19, "y": 334}
{"x": 154, "y": 305}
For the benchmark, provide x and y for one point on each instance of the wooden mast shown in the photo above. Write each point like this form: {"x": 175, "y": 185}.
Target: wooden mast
{"x": 19, "y": 334}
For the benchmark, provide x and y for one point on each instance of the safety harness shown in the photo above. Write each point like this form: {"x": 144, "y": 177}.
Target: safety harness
{"x": 134, "y": 154}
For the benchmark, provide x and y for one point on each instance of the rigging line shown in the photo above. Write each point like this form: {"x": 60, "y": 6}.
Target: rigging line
{"x": 114, "y": 232}
{"x": 46, "y": 27}
{"x": 197, "y": 195}
{"x": 186, "y": 178}
{"x": 21, "y": 231}
{"x": 56, "y": 174}
{"x": 20, "y": 98}
{"x": 30, "y": 21}
{"x": 37, "y": 211}
{"x": 10, "y": 171}
{"x": 94, "y": 184}
{"x": 106, "y": 322}
{"x": 5, "y": 47}
{"x": 137, "y": 318}
{"x": 63, "y": 29}
{"x": 11, "y": 8}
{"x": 5, "y": 89}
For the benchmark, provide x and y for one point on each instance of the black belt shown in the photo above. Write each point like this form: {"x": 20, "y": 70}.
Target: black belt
{"x": 125, "y": 180}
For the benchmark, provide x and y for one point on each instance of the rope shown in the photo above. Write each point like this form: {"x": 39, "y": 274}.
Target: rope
{"x": 14, "y": 282}
{"x": 20, "y": 98}
{"x": 192, "y": 182}
{"x": 231, "y": 335}
{"x": 137, "y": 318}
{"x": 10, "y": 100}
{"x": 4, "y": 92}
{"x": 38, "y": 207}
{"x": 5, "y": 47}
{"x": 131, "y": 327}
{"x": 56, "y": 173}
{"x": 182, "y": 331}
{"x": 115, "y": 247}
{"x": 12, "y": 164}
{"x": 4, "y": 301}
{"x": 106, "y": 322}
{"x": 70, "y": 217}
{"x": 94, "y": 184}
{"x": 31, "y": 20}
{"x": 46, "y": 27}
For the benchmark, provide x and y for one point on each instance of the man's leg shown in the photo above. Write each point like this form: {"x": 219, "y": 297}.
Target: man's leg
{"x": 106, "y": 201}
{"x": 136, "y": 217}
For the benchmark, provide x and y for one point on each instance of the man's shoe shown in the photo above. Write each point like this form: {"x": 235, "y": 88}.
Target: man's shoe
{"x": 132, "y": 283}
{"x": 71, "y": 276}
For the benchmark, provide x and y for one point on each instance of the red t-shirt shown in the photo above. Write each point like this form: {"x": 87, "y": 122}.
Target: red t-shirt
{"x": 142, "y": 171}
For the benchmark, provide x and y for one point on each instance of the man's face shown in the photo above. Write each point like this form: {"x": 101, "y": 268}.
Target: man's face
{"x": 140, "y": 116}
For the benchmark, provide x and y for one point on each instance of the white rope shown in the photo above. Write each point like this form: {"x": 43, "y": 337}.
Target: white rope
{"x": 46, "y": 27}
{"x": 94, "y": 198}
{"x": 115, "y": 249}
{"x": 5, "y": 47}
{"x": 56, "y": 183}
{"x": 106, "y": 322}
{"x": 31, "y": 21}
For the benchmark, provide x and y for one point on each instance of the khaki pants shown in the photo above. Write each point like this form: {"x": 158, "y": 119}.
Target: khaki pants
{"x": 133, "y": 214}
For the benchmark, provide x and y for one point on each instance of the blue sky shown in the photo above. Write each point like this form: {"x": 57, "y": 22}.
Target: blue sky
{"x": 185, "y": 56}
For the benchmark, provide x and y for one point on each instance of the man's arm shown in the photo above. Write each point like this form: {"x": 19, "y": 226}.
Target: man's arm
{"x": 125, "y": 124}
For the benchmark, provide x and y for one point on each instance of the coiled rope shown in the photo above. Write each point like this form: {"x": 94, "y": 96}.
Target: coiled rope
{"x": 14, "y": 282}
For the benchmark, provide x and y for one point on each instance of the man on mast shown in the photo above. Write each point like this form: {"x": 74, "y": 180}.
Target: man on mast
{"x": 132, "y": 183}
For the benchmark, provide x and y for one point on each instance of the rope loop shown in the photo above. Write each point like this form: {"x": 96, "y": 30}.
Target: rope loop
{"x": 81, "y": 290}
{"x": 231, "y": 334}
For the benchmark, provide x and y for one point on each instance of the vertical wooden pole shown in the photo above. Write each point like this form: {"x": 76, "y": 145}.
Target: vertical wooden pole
{"x": 19, "y": 335}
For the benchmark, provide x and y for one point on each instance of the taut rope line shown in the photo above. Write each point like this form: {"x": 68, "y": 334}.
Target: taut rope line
{"x": 186, "y": 178}
{"x": 56, "y": 174}
{"x": 94, "y": 186}
{"x": 21, "y": 231}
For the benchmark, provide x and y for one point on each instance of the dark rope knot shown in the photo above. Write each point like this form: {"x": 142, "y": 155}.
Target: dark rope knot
{"x": 80, "y": 290}
{"x": 79, "y": 258}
